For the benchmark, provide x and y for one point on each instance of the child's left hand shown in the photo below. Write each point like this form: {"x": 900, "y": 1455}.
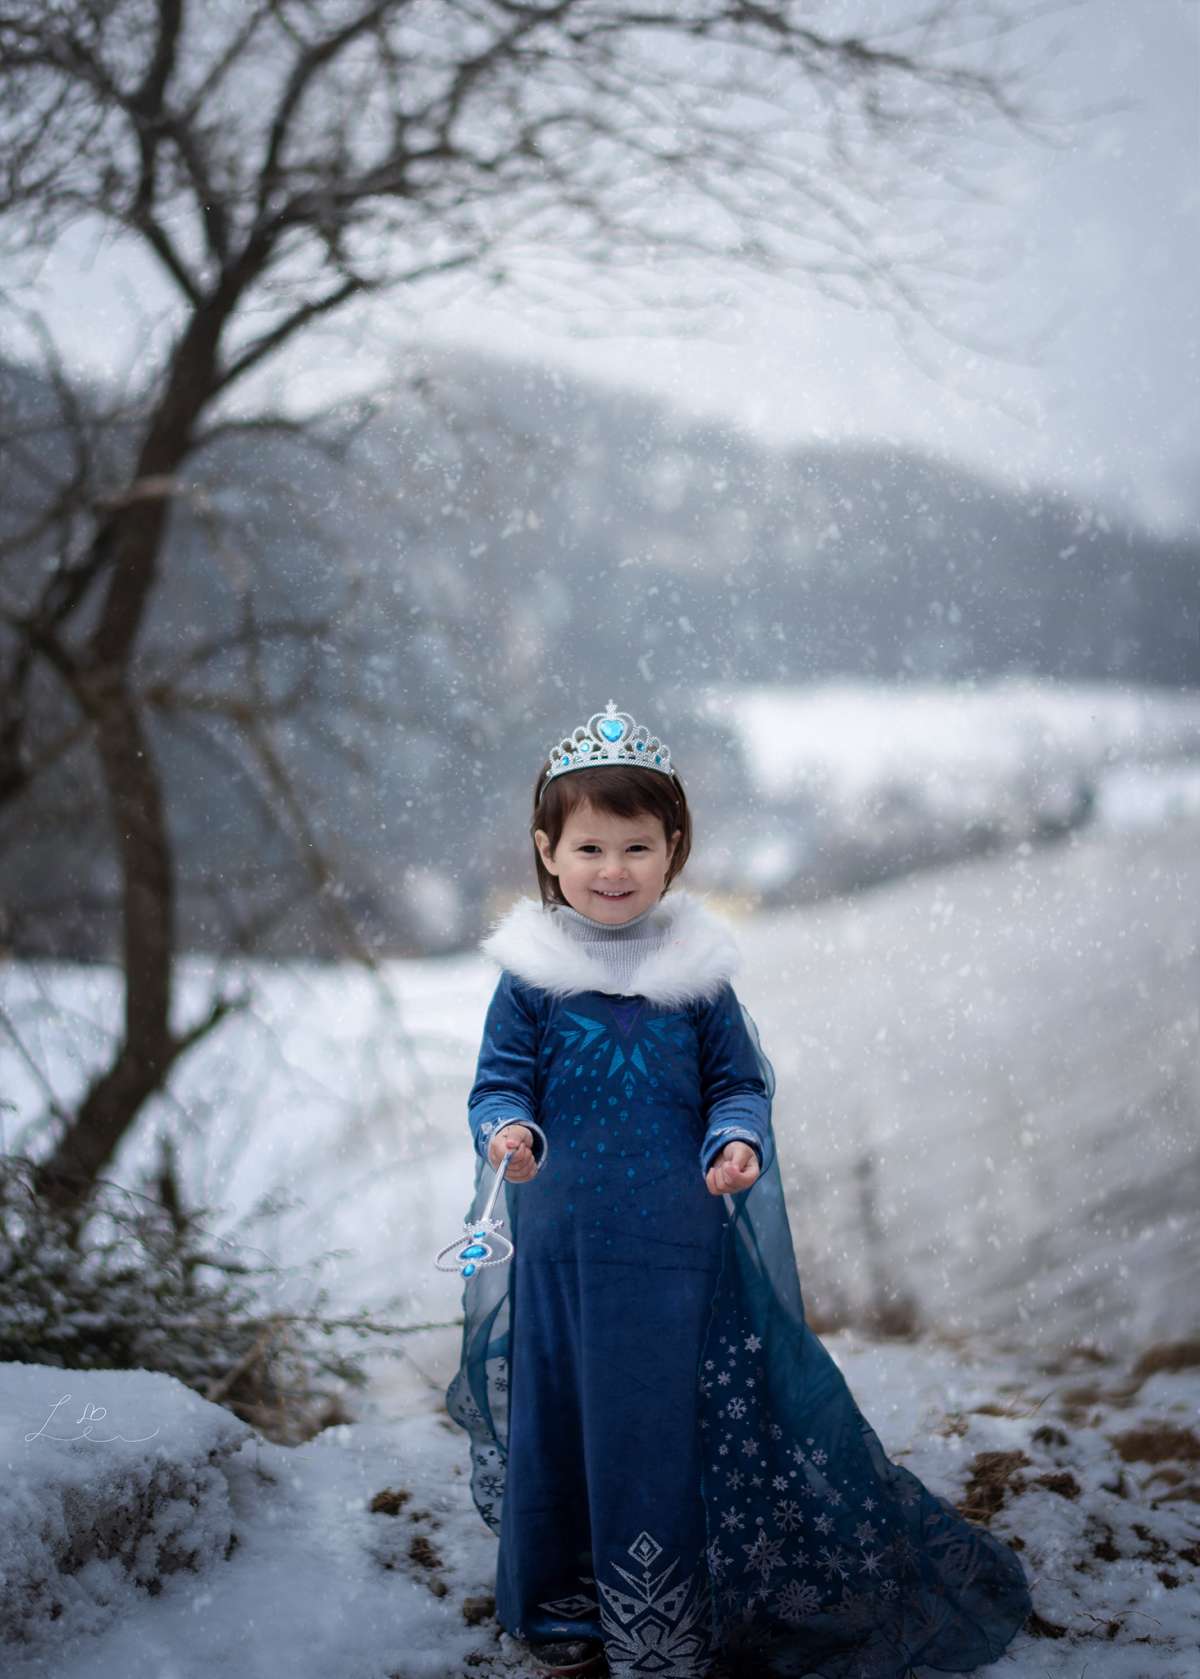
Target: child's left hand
{"x": 736, "y": 1167}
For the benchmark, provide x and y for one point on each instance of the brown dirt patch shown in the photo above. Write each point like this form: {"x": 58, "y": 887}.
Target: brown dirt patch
{"x": 1064, "y": 1484}
{"x": 1037, "y": 1626}
{"x": 1168, "y": 1355}
{"x": 993, "y": 1477}
{"x": 389, "y": 1502}
{"x": 425, "y": 1554}
{"x": 1156, "y": 1443}
{"x": 1157, "y": 1550}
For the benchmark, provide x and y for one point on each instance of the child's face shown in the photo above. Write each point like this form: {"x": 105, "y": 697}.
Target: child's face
{"x": 609, "y": 868}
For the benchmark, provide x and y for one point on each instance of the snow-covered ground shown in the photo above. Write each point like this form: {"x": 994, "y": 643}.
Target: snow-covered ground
{"x": 988, "y": 1094}
{"x": 360, "y": 1556}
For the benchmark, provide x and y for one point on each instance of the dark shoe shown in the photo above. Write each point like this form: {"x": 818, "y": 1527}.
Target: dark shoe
{"x": 570, "y": 1656}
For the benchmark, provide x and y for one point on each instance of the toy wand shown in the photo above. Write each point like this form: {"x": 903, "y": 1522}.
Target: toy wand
{"x": 481, "y": 1233}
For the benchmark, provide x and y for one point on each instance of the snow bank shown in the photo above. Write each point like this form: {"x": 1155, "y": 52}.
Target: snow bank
{"x": 114, "y": 1480}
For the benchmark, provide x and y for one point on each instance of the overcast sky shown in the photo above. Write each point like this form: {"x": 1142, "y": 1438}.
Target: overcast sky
{"x": 1109, "y": 235}
{"x": 1104, "y": 238}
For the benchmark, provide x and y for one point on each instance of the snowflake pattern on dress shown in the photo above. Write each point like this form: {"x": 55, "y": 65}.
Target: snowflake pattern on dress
{"x": 655, "y": 1626}
{"x": 816, "y": 1533}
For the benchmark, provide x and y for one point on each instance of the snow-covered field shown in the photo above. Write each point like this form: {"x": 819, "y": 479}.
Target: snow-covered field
{"x": 988, "y": 1095}
{"x": 360, "y": 1556}
{"x": 972, "y": 747}
{"x": 850, "y": 781}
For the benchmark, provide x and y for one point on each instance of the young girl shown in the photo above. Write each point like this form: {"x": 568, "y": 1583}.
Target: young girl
{"x": 676, "y": 1470}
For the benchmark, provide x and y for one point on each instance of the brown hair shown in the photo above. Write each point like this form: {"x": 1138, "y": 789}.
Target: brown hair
{"x": 619, "y": 789}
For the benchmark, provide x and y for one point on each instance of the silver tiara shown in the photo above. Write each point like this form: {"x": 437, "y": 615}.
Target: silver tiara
{"x": 609, "y": 737}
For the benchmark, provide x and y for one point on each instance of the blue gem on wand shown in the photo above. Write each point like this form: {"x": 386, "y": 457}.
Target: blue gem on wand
{"x": 487, "y": 1244}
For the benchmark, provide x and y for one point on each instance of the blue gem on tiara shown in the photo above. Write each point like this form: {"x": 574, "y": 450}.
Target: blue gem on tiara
{"x": 609, "y": 737}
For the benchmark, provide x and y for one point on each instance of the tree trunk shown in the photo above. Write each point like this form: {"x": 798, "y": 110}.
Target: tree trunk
{"x": 129, "y": 545}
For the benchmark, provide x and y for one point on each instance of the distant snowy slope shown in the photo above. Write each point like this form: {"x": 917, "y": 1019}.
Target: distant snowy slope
{"x": 848, "y": 738}
{"x": 850, "y": 781}
{"x": 1014, "y": 1043}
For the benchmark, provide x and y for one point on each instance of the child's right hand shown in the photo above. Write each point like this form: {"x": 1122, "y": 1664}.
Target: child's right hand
{"x": 517, "y": 1141}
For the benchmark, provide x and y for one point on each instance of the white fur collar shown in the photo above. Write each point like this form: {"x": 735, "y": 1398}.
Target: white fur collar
{"x": 699, "y": 955}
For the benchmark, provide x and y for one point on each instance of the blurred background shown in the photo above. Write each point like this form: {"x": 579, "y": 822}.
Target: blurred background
{"x": 385, "y": 387}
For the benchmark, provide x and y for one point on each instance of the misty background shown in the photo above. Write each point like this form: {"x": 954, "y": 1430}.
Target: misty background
{"x": 872, "y": 484}
{"x": 552, "y": 498}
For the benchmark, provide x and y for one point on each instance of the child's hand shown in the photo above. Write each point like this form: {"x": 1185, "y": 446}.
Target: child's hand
{"x": 736, "y": 1167}
{"x": 516, "y": 1140}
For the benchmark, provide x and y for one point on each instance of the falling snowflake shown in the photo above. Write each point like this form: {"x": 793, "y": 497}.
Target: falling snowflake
{"x": 823, "y": 1523}
{"x": 723, "y": 1377}
{"x": 780, "y": 1483}
{"x": 870, "y": 1561}
{"x": 736, "y": 1408}
{"x": 734, "y": 1479}
{"x": 865, "y": 1533}
{"x": 752, "y": 1343}
{"x": 819, "y": 1457}
{"x": 733, "y": 1519}
{"x": 788, "y": 1515}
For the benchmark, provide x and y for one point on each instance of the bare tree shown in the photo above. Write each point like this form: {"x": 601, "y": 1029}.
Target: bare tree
{"x": 285, "y": 161}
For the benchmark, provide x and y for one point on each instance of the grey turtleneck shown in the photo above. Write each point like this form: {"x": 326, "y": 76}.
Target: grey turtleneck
{"x": 622, "y": 948}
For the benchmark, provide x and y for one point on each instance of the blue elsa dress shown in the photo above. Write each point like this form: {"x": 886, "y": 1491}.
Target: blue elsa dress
{"x": 671, "y": 1460}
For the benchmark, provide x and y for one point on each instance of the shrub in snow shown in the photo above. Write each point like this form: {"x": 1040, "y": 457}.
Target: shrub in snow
{"x": 140, "y": 1285}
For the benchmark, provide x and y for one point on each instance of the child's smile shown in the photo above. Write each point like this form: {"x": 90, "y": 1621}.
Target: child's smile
{"x": 608, "y": 867}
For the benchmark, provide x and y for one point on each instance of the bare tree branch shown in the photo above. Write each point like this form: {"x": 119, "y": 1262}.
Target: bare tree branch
{"x": 288, "y": 163}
